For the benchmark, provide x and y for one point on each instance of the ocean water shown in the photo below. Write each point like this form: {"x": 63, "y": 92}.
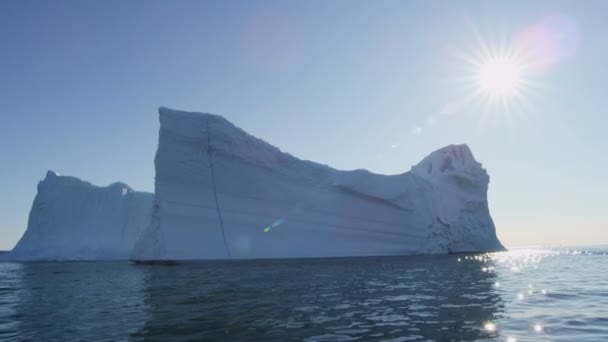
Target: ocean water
{"x": 521, "y": 295}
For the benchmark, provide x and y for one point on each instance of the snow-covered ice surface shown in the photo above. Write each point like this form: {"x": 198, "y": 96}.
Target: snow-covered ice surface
{"x": 223, "y": 193}
{"x": 72, "y": 219}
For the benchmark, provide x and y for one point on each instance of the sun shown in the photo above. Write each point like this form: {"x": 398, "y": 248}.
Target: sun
{"x": 500, "y": 77}
{"x": 496, "y": 80}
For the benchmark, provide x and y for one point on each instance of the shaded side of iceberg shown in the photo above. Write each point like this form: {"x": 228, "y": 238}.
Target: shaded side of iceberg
{"x": 72, "y": 219}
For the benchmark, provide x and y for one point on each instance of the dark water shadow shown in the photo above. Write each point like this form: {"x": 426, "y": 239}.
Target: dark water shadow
{"x": 70, "y": 301}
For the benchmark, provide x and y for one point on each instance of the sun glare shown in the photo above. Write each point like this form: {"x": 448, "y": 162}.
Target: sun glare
{"x": 498, "y": 80}
{"x": 500, "y": 77}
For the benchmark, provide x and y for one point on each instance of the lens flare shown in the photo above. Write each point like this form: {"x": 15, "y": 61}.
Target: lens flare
{"x": 274, "y": 224}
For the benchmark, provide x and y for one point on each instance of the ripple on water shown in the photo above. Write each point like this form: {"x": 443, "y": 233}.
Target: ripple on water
{"x": 329, "y": 337}
{"x": 393, "y": 298}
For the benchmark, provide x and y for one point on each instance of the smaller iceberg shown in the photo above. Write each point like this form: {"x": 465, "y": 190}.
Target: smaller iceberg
{"x": 72, "y": 219}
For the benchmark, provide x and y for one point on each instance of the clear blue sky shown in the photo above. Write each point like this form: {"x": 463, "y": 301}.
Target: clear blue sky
{"x": 352, "y": 84}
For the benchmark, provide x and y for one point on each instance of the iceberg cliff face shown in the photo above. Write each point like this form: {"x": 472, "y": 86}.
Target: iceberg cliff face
{"x": 222, "y": 193}
{"x": 72, "y": 219}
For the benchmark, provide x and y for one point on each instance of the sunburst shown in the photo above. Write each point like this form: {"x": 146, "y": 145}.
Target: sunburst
{"x": 497, "y": 79}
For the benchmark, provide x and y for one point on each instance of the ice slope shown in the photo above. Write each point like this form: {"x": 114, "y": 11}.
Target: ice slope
{"x": 222, "y": 193}
{"x": 72, "y": 219}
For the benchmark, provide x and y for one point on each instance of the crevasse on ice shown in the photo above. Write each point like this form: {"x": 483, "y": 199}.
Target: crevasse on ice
{"x": 222, "y": 193}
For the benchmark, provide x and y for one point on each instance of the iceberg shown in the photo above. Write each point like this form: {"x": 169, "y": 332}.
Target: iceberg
{"x": 72, "y": 219}
{"x": 221, "y": 193}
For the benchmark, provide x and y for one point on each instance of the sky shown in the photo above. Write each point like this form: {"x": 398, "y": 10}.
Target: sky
{"x": 352, "y": 84}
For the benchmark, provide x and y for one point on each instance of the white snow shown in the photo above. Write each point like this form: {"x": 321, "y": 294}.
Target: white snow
{"x": 222, "y": 193}
{"x": 72, "y": 219}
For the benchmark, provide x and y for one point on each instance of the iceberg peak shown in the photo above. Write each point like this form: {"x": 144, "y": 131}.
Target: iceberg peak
{"x": 50, "y": 174}
{"x": 211, "y": 131}
{"x": 455, "y": 165}
{"x": 193, "y": 123}
{"x": 447, "y": 159}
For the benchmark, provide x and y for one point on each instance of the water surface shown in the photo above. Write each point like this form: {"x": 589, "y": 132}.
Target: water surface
{"x": 522, "y": 295}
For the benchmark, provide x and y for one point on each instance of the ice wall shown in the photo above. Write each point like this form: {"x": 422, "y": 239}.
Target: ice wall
{"x": 222, "y": 193}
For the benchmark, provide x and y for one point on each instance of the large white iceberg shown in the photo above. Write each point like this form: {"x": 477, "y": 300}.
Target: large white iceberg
{"x": 223, "y": 193}
{"x": 72, "y": 219}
